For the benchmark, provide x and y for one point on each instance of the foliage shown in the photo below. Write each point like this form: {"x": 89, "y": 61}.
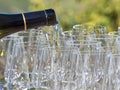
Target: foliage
{"x": 69, "y": 13}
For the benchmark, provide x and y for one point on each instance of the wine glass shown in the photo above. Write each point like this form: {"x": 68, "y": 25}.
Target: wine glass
{"x": 16, "y": 71}
{"x": 116, "y": 78}
{"x": 68, "y": 65}
{"x": 43, "y": 68}
{"x": 80, "y": 31}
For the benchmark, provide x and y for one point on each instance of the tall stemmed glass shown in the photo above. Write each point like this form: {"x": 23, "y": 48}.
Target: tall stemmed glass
{"x": 43, "y": 70}
{"x": 67, "y": 68}
{"x": 81, "y": 31}
{"x": 87, "y": 51}
{"x": 16, "y": 71}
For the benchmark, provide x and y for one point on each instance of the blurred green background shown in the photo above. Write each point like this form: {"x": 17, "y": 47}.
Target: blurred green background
{"x": 69, "y": 13}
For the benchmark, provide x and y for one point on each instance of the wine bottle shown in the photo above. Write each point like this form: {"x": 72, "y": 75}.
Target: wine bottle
{"x": 11, "y": 23}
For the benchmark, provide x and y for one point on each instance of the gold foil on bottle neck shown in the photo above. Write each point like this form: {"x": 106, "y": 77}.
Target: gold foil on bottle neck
{"x": 24, "y": 20}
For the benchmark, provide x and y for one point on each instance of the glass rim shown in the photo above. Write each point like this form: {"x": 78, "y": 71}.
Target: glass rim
{"x": 94, "y": 25}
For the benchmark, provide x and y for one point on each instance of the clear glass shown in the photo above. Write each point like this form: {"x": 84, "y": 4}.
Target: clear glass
{"x": 81, "y": 30}
{"x": 47, "y": 58}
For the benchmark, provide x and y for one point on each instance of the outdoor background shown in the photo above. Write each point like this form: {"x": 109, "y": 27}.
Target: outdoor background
{"x": 71, "y": 12}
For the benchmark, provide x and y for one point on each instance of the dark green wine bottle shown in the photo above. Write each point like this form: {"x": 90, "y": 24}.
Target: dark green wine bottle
{"x": 11, "y": 23}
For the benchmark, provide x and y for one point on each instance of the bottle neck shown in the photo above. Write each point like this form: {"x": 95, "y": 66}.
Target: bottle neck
{"x": 28, "y": 20}
{"x": 11, "y": 23}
